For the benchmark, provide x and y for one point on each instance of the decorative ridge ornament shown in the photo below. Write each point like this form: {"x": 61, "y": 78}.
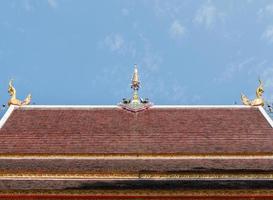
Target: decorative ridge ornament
{"x": 13, "y": 100}
{"x": 135, "y": 104}
{"x": 258, "y": 101}
{"x": 135, "y": 85}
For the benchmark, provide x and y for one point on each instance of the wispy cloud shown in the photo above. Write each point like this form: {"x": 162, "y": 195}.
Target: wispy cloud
{"x": 151, "y": 61}
{"x": 208, "y": 15}
{"x": 267, "y": 10}
{"x": 52, "y": 3}
{"x": 177, "y": 30}
{"x": 267, "y": 77}
{"x": 114, "y": 42}
{"x": 125, "y": 11}
{"x": 268, "y": 34}
{"x": 31, "y": 5}
{"x": 173, "y": 11}
{"x": 179, "y": 93}
{"x": 117, "y": 44}
{"x": 28, "y": 5}
{"x": 250, "y": 66}
{"x": 235, "y": 68}
{"x": 149, "y": 58}
{"x": 167, "y": 8}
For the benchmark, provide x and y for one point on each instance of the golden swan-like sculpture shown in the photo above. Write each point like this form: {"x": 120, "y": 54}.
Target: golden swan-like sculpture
{"x": 13, "y": 100}
{"x": 258, "y": 101}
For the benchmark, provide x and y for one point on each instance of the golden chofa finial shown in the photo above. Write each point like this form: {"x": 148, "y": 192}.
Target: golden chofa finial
{"x": 258, "y": 101}
{"x": 13, "y": 100}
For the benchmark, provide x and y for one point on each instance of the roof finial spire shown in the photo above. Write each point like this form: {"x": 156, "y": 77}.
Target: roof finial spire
{"x": 135, "y": 86}
{"x": 135, "y": 80}
{"x": 135, "y": 103}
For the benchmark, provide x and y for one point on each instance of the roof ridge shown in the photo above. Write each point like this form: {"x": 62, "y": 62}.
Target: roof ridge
{"x": 116, "y": 106}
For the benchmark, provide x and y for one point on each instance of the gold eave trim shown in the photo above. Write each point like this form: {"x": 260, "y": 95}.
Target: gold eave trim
{"x": 143, "y": 193}
{"x": 137, "y": 176}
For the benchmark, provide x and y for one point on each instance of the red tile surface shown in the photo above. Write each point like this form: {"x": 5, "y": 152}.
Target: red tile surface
{"x": 157, "y": 130}
{"x": 115, "y": 131}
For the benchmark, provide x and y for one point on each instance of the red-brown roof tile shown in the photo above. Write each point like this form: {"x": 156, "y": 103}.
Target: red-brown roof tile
{"x": 181, "y": 130}
{"x": 39, "y": 142}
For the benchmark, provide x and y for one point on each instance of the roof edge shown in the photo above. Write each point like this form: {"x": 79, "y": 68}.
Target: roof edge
{"x": 116, "y": 106}
{"x": 6, "y": 115}
{"x": 266, "y": 116}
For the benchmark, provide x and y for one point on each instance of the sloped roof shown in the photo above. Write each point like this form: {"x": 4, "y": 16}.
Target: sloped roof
{"x": 164, "y": 147}
{"x": 158, "y": 130}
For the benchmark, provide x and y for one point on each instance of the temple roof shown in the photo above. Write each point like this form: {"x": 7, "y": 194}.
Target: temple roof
{"x": 158, "y": 130}
{"x": 108, "y": 147}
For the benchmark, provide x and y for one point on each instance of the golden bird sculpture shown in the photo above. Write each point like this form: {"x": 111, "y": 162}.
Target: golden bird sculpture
{"x": 13, "y": 100}
{"x": 258, "y": 101}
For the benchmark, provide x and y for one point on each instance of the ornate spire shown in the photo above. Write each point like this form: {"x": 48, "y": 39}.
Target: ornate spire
{"x": 135, "y": 80}
{"x": 135, "y": 104}
{"x": 135, "y": 86}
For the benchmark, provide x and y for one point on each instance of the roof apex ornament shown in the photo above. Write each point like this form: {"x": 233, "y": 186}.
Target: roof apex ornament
{"x": 135, "y": 104}
{"x": 135, "y": 80}
{"x": 13, "y": 100}
{"x": 258, "y": 101}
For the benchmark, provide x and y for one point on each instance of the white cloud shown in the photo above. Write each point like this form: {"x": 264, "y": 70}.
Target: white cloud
{"x": 170, "y": 9}
{"x": 208, "y": 15}
{"x": 235, "y": 68}
{"x": 114, "y": 42}
{"x": 267, "y": 10}
{"x": 268, "y": 34}
{"x": 178, "y": 93}
{"x": 267, "y": 77}
{"x": 52, "y": 3}
{"x": 248, "y": 67}
{"x": 177, "y": 30}
{"x": 151, "y": 61}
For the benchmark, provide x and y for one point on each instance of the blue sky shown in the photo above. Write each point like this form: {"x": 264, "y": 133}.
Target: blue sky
{"x": 188, "y": 52}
